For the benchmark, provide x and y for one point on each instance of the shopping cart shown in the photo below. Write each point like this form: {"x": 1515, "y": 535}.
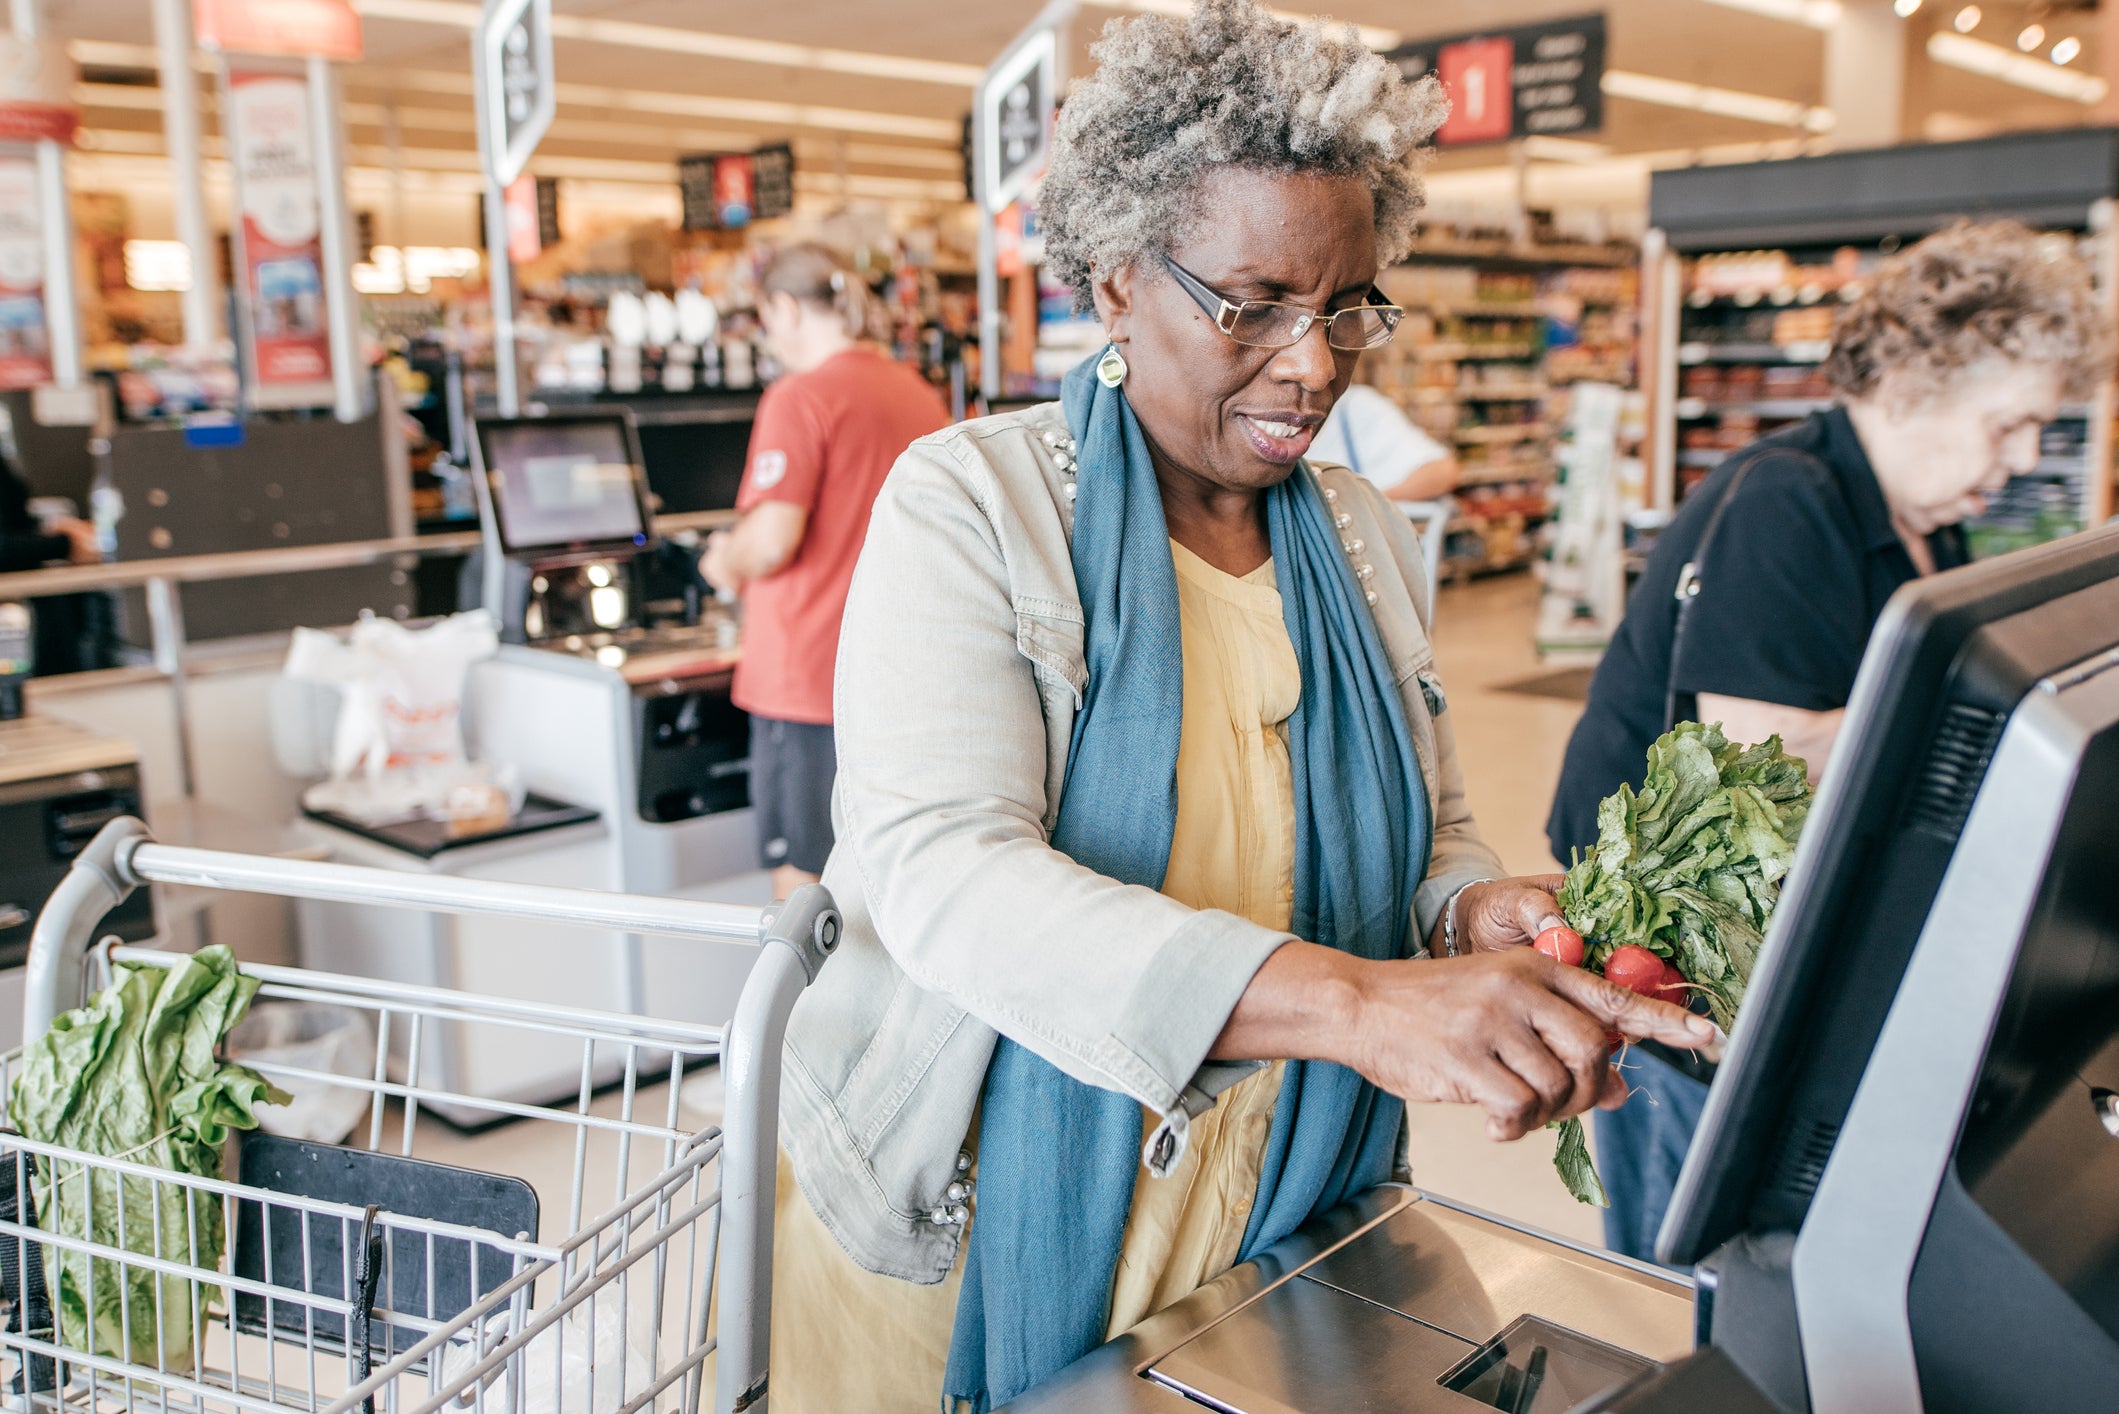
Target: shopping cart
{"x": 378, "y": 1280}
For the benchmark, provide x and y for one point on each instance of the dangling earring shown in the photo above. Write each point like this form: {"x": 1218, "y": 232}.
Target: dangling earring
{"x": 1111, "y": 368}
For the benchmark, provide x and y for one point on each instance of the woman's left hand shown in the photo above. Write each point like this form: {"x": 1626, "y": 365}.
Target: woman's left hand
{"x": 1507, "y": 913}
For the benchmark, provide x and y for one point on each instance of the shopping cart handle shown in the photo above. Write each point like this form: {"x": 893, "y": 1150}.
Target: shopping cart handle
{"x": 101, "y": 878}
{"x": 808, "y": 922}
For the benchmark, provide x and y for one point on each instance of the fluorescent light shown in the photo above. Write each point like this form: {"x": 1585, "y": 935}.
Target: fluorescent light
{"x": 1979, "y": 57}
{"x": 1818, "y": 14}
{"x": 1542, "y": 147}
{"x": 2065, "y": 51}
{"x": 157, "y": 265}
{"x": 1905, "y": 9}
{"x": 1967, "y": 19}
{"x": 673, "y": 40}
{"x": 1374, "y": 37}
{"x": 390, "y": 271}
{"x": 1725, "y": 102}
{"x": 2032, "y": 36}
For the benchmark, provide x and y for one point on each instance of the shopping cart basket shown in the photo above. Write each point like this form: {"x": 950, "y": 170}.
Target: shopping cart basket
{"x": 377, "y": 1280}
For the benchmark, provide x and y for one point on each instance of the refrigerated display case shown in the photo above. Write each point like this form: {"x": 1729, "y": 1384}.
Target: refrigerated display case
{"x": 1747, "y": 264}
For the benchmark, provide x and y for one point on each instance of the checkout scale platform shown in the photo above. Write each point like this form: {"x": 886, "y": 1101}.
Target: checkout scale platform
{"x": 1397, "y": 1301}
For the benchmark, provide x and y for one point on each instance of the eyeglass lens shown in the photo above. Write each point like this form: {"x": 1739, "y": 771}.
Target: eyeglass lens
{"x": 1265, "y": 324}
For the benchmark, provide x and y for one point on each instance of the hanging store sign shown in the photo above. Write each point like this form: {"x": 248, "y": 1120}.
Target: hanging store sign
{"x": 516, "y": 96}
{"x": 1528, "y": 81}
{"x": 772, "y": 177}
{"x": 297, "y": 29}
{"x": 548, "y": 212}
{"x": 1015, "y": 120}
{"x": 274, "y": 152}
{"x": 25, "y": 338}
{"x": 36, "y": 91}
{"x": 519, "y": 202}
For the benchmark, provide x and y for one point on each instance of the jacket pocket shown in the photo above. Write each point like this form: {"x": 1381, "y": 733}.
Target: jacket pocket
{"x": 1049, "y": 633}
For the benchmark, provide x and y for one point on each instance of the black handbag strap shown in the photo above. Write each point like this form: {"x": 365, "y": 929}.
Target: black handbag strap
{"x": 1692, "y": 577}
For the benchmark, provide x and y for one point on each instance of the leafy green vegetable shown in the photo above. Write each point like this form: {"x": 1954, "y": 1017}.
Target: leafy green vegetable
{"x": 134, "y": 1075}
{"x": 1577, "y": 1170}
{"x": 1690, "y": 868}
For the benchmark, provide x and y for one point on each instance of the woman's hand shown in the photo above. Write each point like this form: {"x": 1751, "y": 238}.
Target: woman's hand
{"x": 1504, "y": 913}
{"x": 1512, "y": 1032}
{"x": 1515, "y": 1033}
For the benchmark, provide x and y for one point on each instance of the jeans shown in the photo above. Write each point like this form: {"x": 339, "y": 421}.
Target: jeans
{"x": 1640, "y": 1148}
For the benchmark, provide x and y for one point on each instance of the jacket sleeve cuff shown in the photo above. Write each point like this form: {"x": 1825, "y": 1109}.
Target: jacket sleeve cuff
{"x": 1434, "y": 895}
{"x": 1185, "y": 995}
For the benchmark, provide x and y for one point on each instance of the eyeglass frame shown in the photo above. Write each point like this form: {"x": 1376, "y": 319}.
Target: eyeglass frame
{"x": 1225, "y": 311}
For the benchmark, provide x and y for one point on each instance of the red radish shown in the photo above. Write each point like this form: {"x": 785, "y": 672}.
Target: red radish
{"x": 1562, "y": 944}
{"x": 1635, "y": 968}
{"x": 1673, "y": 989}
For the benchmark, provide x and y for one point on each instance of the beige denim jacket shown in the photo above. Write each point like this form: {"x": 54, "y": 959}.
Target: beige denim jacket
{"x": 960, "y": 671}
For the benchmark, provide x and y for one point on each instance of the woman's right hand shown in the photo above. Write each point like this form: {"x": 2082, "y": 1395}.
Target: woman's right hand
{"x": 1515, "y": 1033}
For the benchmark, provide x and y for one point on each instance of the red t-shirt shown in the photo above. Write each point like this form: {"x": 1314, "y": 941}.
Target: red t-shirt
{"x": 824, "y": 441}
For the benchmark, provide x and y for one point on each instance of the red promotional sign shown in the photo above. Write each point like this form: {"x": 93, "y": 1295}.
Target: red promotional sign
{"x": 1479, "y": 75}
{"x": 519, "y": 198}
{"x": 283, "y": 252}
{"x": 25, "y": 340}
{"x": 328, "y": 29}
{"x": 36, "y": 91}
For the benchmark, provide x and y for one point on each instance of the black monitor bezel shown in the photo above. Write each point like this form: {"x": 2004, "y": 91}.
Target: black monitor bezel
{"x": 629, "y": 432}
{"x": 1919, "y": 656}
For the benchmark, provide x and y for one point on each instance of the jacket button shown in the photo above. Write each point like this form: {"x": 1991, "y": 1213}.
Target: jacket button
{"x": 959, "y": 1215}
{"x": 1371, "y": 597}
{"x": 1342, "y": 520}
{"x": 957, "y": 1192}
{"x": 963, "y": 1161}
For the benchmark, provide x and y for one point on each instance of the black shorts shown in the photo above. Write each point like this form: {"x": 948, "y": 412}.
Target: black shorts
{"x": 791, "y": 769}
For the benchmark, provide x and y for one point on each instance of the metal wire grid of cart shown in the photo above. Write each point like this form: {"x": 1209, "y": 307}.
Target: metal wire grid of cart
{"x": 655, "y": 1298}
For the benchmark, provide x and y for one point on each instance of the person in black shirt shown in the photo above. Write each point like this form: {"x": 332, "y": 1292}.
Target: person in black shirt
{"x": 1947, "y": 365}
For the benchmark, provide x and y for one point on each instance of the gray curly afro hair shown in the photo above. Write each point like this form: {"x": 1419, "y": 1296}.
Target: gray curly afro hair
{"x": 1231, "y": 86}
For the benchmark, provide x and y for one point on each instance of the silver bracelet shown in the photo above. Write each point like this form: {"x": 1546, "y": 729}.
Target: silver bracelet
{"x": 1449, "y": 918}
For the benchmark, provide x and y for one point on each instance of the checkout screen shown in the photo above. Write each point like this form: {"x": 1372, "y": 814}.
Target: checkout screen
{"x": 562, "y": 483}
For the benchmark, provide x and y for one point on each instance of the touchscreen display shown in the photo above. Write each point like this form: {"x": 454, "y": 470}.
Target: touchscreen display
{"x": 563, "y": 482}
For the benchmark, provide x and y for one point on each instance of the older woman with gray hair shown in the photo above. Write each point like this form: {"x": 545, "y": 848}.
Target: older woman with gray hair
{"x": 1758, "y": 600}
{"x": 1161, "y": 893}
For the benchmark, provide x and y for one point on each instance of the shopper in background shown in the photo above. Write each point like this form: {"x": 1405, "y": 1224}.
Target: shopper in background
{"x": 1947, "y": 365}
{"x": 827, "y": 432}
{"x": 1369, "y": 434}
{"x": 27, "y": 544}
{"x": 1106, "y": 889}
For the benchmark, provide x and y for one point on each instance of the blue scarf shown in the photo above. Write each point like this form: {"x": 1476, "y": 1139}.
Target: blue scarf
{"x": 1057, "y": 1157}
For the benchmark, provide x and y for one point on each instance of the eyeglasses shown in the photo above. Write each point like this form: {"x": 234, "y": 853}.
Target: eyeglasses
{"x": 1272, "y": 324}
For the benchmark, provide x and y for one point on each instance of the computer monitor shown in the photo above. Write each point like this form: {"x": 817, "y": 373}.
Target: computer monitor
{"x": 1974, "y": 767}
{"x": 695, "y": 459}
{"x": 565, "y": 484}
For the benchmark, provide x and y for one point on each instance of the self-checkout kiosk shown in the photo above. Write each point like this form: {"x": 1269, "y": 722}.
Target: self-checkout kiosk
{"x": 620, "y": 729}
{"x": 1904, "y": 1193}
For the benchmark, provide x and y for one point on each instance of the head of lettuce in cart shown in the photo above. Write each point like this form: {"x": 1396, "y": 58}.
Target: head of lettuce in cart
{"x": 1162, "y": 896}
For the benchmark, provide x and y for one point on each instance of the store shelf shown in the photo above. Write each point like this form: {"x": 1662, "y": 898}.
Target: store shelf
{"x": 1476, "y": 353}
{"x": 1805, "y": 351}
{"x": 1539, "y": 475}
{"x": 1487, "y": 311}
{"x": 1691, "y": 409}
{"x": 1508, "y": 393}
{"x": 1521, "y": 433}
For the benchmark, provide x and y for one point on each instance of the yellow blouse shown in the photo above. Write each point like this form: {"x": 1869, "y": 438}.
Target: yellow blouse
{"x": 844, "y": 1338}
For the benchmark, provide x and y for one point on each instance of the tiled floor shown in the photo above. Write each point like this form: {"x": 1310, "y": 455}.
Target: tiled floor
{"x": 1511, "y": 745}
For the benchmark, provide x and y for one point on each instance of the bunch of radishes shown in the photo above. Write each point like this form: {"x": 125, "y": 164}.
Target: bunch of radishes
{"x": 1633, "y": 967}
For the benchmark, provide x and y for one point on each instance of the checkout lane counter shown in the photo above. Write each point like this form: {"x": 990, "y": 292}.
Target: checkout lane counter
{"x": 629, "y": 725}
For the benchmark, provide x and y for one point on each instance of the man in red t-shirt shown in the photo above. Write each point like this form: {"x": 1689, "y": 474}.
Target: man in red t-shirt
{"x": 826, "y": 435}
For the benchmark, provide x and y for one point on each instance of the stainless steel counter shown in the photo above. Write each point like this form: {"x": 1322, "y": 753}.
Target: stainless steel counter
{"x": 1371, "y": 1308}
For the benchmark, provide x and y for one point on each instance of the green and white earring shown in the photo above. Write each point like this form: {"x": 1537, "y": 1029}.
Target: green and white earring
{"x": 1111, "y": 368}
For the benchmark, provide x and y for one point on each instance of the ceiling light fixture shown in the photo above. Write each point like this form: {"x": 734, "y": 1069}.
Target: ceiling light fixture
{"x": 673, "y": 40}
{"x": 2033, "y": 35}
{"x": 1979, "y": 57}
{"x": 2065, "y": 51}
{"x": 1818, "y": 14}
{"x": 1967, "y": 19}
{"x": 1905, "y": 9}
{"x": 1724, "y": 102}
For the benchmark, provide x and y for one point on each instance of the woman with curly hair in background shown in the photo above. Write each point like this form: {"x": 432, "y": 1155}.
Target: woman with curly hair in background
{"x": 1149, "y": 813}
{"x": 1947, "y": 365}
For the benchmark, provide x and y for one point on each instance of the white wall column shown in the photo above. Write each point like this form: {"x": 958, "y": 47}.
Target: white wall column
{"x": 1865, "y": 75}
{"x": 180, "y": 136}
{"x": 62, "y": 304}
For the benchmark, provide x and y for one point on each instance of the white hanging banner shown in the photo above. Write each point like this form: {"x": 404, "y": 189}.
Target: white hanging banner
{"x": 286, "y": 324}
{"x": 25, "y": 337}
{"x": 516, "y": 98}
